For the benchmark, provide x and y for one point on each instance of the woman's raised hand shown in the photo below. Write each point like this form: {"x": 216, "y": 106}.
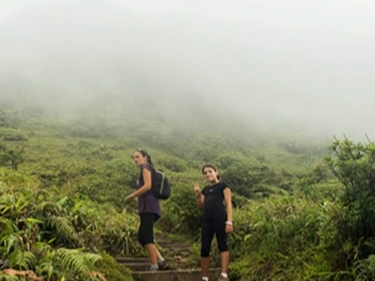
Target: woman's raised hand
{"x": 197, "y": 189}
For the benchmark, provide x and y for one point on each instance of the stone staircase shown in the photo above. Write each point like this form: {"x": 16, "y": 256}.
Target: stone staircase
{"x": 177, "y": 256}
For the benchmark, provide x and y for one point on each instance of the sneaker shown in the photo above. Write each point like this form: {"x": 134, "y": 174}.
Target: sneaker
{"x": 222, "y": 278}
{"x": 153, "y": 268}
{"x": 163, "y": 265}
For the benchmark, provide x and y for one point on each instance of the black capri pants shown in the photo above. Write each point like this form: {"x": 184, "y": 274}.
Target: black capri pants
{"x": 209, "y": 228}
{"x": 146, "y": 228}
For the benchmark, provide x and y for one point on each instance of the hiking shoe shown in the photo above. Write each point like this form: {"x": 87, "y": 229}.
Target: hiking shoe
{"x": 152, "y": 268}
{"x": 163, "y": 265}
{"x": 222, "y": 278}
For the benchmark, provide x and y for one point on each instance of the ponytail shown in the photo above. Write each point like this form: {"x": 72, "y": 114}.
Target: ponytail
{"x": 148, "y": 159}
{"x": 145, "y": 154}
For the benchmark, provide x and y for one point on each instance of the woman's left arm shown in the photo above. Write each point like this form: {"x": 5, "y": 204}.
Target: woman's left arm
{"x": 147, "y": 185}
{"x": 228, "y": 204}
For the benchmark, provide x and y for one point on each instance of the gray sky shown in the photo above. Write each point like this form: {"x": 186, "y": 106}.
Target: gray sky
{"x": 305, "y": 64}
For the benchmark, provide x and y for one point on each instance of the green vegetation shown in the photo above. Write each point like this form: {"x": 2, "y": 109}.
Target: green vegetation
{"x": 304, "y": 209}
{"x": 57, "y": 236}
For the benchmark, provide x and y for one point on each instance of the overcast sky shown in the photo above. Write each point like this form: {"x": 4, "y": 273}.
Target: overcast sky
{"x": 310, "y": 64}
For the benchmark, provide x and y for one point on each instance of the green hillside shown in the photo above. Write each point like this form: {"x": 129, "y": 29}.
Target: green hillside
{"x": 64, "y": 178}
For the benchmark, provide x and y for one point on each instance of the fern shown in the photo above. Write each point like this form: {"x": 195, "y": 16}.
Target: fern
{"x": 91, "y": 259}
{"x": 74, "y": 260}
{"x": 9, "y": 242}
{"x": 22, "y": 260}
{"x": 63, "y": 227}
{"x": 6, "y": 226}
{"x": 48, "y": 207}
{"x": 5, "y": 277}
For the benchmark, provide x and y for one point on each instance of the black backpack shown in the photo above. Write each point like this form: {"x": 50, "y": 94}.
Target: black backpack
{"x": 160, "y": 185}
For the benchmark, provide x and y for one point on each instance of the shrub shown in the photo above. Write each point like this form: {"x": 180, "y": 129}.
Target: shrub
{"x": 9, "y": 134}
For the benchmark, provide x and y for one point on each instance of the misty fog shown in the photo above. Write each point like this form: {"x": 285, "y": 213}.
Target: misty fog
{"x": 279, "y": 65}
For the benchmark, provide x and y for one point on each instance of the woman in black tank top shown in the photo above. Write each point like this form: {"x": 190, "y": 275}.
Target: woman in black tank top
{"x": 217, "y": 218}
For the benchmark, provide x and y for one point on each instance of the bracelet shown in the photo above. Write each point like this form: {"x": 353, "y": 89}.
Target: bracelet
{"x": 198, "y": 195}
{"x": 229, "y": 223}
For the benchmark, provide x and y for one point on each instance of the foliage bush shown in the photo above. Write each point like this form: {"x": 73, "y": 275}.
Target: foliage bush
{"x": 9, "y": 134}
{"x": 280, "y": 237}
{"x": 113, "y": 270}
{"x": 292, "y": 222}
{"x": 54, "y": 237}
{"x": 353, "y": 164}
{"x": 180, "y": 212}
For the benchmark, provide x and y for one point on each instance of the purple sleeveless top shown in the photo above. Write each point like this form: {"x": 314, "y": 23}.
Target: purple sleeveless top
{"x": 147, "y": 203}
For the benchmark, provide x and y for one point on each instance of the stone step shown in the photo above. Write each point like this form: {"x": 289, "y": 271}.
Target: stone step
{"x": 126, "y": 260}
{"x": 140, "y": 264}
{"x": 176, "y": 248}
{"x": 178, "y": 254}
{"x": 171, "y": 245}
{"x": 136, "y": 266}
{"x": 175, "y": 275}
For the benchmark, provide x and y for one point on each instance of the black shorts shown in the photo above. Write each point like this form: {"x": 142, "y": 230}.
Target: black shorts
{"x": 146, "y": 228}
{"x": 210, "y": 227}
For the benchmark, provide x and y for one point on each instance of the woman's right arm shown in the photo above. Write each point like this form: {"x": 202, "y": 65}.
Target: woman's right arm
{"x": 143, "y": 189}
{"x": 199, "y": 197}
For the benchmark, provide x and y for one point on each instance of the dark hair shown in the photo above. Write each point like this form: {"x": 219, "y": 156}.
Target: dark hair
{"x": 145, "y": 154}
{"x": 212, "y": 166}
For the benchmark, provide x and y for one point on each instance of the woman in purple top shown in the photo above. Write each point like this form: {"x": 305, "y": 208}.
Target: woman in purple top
{"x": 148, "y": 209}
